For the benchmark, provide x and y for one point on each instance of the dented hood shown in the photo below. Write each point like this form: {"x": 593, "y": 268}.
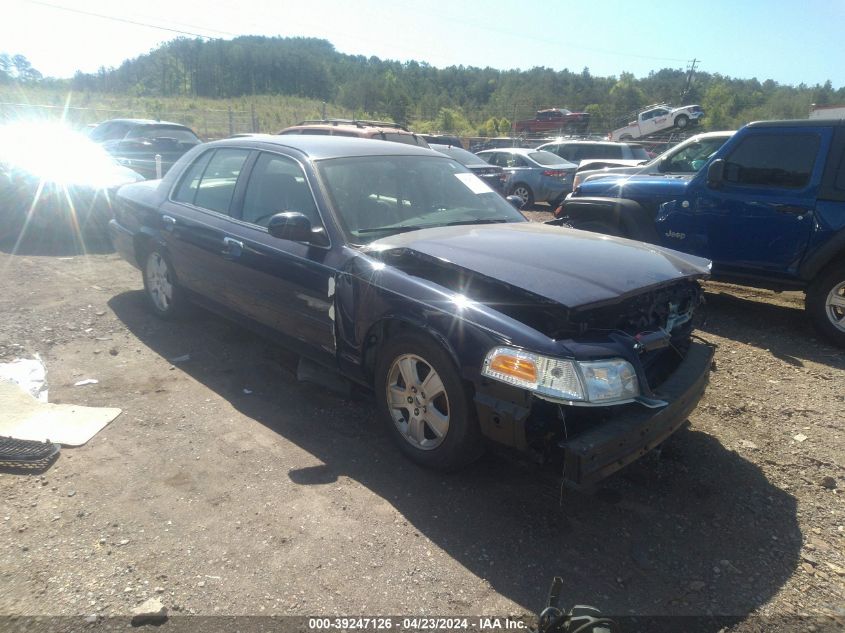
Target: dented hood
{"x": 576, "y": 269}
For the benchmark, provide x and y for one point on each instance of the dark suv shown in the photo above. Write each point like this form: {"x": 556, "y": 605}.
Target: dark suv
{"x": 135, "y": 143}
{"x": 379, "y": 130}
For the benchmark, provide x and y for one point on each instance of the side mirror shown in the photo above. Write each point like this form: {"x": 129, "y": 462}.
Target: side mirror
{"x": 663, "y": 165}
{"x": 516, "y": 201}
{"x": 290, "y": 225}
{"x": 716, "y": 173}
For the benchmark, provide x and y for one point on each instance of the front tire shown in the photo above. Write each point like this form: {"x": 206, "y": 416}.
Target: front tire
{"x": 164, "y": 296}
{"x": 825, "y": 304}
{"x": 682, "y": 121}
{"x": 424, "y": 403}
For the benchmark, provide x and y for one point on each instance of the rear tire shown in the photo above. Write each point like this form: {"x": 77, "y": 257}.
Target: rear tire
{"x": 437, "y": 429}
{"x": 825, "y": 303}
{"x": 164, "y": 295}
{"x": 524, "y": 192}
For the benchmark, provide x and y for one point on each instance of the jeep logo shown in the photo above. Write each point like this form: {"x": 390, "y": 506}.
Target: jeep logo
{"x": 677, "y": 236}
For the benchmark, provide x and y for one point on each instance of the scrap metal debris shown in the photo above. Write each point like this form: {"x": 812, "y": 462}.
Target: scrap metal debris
{"x": 27, "y": 454}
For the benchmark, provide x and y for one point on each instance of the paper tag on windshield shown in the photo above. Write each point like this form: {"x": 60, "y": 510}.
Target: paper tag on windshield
{"x": 474, "y": 183}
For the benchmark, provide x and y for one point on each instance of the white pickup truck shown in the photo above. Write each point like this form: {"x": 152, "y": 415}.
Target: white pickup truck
{"x": 657, "y": 119}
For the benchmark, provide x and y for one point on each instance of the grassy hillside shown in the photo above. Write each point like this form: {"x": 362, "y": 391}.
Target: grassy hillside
{"x": 210, "y": 118}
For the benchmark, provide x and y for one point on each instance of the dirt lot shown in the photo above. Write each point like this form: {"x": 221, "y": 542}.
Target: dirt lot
{"x": 227, "y": 487}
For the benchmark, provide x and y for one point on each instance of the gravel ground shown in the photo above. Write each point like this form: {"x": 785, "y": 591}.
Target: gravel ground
{"x": 228, "y": 488}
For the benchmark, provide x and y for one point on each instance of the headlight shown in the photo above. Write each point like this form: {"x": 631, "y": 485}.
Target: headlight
{"x": 598, "y": 382}
{"x": 613, "y": 379}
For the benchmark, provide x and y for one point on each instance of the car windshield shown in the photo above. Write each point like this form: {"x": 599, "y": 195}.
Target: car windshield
{"x": 547, "y": 158}
{"x": 377, "y": 196}
{"x": 693, "y": 156}
{"x": 639, "y": 152}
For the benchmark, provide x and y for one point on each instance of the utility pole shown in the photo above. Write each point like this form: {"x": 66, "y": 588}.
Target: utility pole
{"x": 690, "y": 75}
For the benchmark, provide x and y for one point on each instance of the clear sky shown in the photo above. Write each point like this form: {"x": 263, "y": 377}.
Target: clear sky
{"x": 790, "y": 42}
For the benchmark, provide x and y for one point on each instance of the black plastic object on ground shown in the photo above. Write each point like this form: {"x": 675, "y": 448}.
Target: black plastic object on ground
{"x": 26, "y": 454}
{"x": 580, "y": 619}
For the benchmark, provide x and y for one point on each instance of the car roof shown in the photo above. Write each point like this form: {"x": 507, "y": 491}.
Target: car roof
{"x": 798, "y": 123}
{"x": 712, "y": 134}
{"x": 143, "y": 122}
{"x": 359, "y": 126}
{"x": 513, "y": 150}
{"x": 318, "y": 147}
{"x": 588, "y": 142}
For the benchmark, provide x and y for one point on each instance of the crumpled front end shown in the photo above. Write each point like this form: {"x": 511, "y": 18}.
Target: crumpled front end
{"x": 588, "y": 441}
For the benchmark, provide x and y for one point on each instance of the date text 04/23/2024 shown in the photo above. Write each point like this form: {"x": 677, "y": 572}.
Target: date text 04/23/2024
{"x": 483, "y": 623}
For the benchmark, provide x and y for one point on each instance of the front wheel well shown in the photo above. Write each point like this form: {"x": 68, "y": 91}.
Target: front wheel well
{"x": 376, "y": 336}
{"x": 388, "y": 328}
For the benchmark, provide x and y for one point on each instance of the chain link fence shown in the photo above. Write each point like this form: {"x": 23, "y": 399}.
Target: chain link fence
{"x": 209, "y": 124}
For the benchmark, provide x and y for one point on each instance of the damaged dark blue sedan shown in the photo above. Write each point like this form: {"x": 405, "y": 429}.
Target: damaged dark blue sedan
{"x": 397, "y": 268}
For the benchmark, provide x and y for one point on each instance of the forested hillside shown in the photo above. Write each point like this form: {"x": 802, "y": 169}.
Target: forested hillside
{"x": 457, "y": 99}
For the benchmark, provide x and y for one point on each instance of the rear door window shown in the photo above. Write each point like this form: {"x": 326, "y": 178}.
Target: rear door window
{"x": 217, "y": 185}
{"x": 567, "y": 152}
{"x": 187, "y": 189}
{"x": 769, "y": 160}
{"x": 494, "y": 158}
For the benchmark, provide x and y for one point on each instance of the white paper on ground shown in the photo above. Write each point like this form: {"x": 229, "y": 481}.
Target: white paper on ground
{"x": 28, "y": 373}
{"x": 25, "y": 418}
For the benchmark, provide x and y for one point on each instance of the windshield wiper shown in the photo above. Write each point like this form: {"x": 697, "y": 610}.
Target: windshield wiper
{"x": 395, "y": 229}
{"x": 406, "y": 227}
{"x": 477, "y": 221}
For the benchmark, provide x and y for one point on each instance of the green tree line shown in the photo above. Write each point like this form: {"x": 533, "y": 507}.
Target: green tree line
{"x": 460, "y": 99}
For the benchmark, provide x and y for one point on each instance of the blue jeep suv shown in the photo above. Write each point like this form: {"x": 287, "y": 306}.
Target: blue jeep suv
{"x": 768, "y": 209}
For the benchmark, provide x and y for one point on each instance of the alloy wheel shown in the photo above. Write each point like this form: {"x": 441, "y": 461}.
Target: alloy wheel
{"x": 159, "y": 284}
{"x": 835, "y": 304}
{"x": 418, "y": 402}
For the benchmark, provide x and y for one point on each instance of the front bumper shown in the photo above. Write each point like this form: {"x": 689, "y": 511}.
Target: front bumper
{"x": 599, "y": 452}
{"x": 603, "y": 444}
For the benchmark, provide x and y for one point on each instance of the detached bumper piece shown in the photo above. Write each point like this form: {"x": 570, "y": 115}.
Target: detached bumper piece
{"x": 597, "y": 453}
{"x": 26, "y": 454}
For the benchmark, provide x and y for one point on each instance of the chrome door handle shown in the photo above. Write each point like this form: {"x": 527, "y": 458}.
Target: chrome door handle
{"x": 234, "y": 247}
{"x": 168, "y": 221}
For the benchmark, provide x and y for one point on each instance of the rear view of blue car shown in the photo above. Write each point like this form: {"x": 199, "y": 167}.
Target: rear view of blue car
{"x": 533, "y": 175}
